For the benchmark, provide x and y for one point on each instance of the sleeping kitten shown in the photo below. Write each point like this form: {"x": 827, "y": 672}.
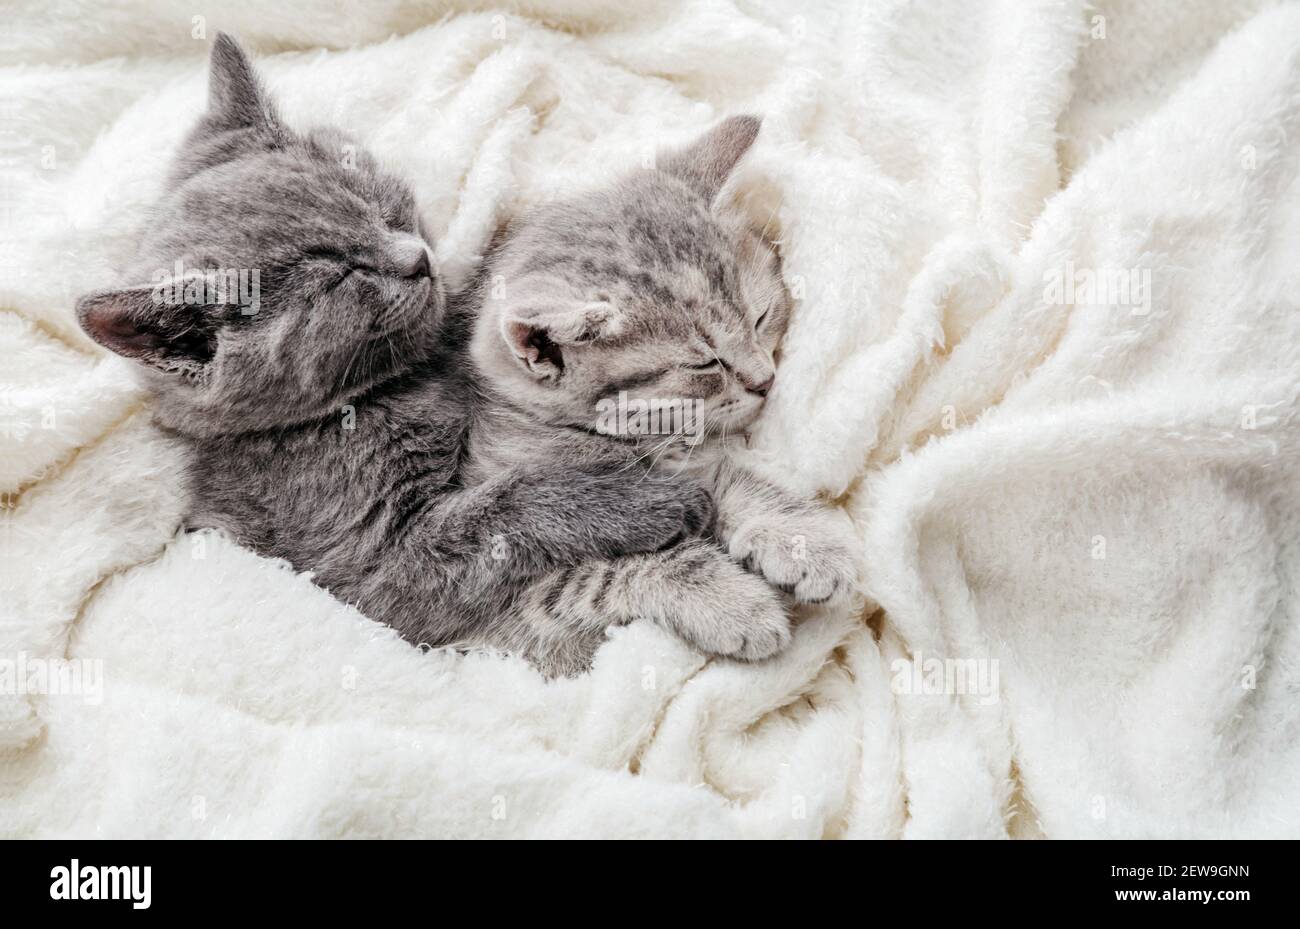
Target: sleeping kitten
{"x": 324, "y": 409}
{"x": 652, "y": 290}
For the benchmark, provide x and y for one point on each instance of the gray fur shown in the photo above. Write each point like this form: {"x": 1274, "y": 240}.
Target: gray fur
{"x": 653, "y": 288}
{"x": 329, "y": 426}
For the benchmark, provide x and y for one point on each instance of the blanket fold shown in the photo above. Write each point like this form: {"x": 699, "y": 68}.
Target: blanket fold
{"x": 1046, "y": 354}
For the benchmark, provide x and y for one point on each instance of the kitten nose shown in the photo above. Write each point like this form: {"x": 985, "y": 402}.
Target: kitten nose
{"x": 420, "y": 266}
{"x": 763, "y": 388}
{"x": 411, "y": 258}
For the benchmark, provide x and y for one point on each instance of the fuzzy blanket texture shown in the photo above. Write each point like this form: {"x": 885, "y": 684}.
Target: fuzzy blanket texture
{"x": 1046, "y": 353}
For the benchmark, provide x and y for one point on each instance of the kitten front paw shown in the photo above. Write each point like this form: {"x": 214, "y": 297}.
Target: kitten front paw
{"x": 698, "y": 509}
{"x": 734, "y": 615}
{"x": 809, "y": 556}
{"x": 647, "y": 512}
{"x": 672, "y": 511}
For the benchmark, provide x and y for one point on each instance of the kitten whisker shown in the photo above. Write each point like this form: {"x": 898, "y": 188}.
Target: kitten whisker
{"x": 356, "y": 352}
{"x": 657, "y": 447}
{"x": 667, "y": 443}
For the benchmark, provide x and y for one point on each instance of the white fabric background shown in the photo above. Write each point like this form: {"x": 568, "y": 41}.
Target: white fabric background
{"x": 925, "y": 167}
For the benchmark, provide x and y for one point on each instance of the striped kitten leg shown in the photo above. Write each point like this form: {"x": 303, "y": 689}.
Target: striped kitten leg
{"x": 694, "y": 590}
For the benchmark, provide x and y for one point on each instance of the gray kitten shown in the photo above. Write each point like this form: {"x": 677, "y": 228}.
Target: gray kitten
{"x": 322, "y": 395}
{"x": 652, "y": 294}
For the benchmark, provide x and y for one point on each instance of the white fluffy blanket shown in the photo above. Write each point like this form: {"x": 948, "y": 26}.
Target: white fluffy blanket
{"x": 1082, "y": 496}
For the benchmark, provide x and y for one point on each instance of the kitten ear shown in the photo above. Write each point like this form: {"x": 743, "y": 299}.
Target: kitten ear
{"x": 537, "y": 338}
{"x": 138, "y": 323}
{"x": 708, "y": 162}
{"x": 236, "y": 99}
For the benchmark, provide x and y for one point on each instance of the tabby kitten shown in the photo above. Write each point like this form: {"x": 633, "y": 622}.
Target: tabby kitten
{"x": 655, "y": 290}
{"x": 325, "y": 411}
